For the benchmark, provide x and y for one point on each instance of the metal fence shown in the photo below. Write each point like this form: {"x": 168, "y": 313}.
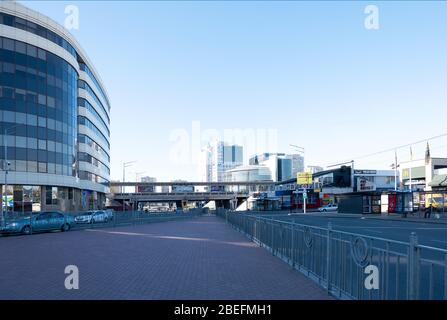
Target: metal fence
{"x": 116, "y": 218}
{"x": 346, "y": 263}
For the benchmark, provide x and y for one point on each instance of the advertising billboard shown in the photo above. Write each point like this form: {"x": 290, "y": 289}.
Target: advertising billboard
{"x": 365, "y": 185}
{"x": 145, "y": 189}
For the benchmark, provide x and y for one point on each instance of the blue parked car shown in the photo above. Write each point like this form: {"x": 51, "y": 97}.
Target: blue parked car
{"x": 44, "y": 221}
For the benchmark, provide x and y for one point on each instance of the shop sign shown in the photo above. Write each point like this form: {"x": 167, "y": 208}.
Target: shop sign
{"x": 365, "y": 171}
{"x": 304, "y": 178}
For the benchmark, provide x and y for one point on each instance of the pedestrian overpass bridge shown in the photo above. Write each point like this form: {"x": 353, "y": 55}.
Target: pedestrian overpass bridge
{"x": 180, "y": 192}
{"x": 179, "y": 196}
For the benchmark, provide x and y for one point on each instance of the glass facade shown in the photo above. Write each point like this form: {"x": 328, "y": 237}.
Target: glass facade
{"x": 22, "y": 198}
{"x": 40, "y": 96}
{"x": 87, "y": 70}
{"x": 38, "y": 109}
{"x": 19, "y": 23}
{"x": 90, "y": 142}
{"x": 93, "y": 161}
{"x": 85, "y": 104}
{"x": 248, "y": 173}
{"x": 84, "y": 85}
{"x": 87, "y": 123}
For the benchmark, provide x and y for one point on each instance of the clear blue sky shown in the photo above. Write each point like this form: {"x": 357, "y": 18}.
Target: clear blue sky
{"x": 309, "y": 70}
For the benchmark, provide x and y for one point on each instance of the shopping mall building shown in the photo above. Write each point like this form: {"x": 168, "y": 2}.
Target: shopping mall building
{"x": 54, "y": 117}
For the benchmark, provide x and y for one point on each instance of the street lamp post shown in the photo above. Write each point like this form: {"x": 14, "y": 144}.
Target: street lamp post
{"x": 125, "y": 165}
{"x": 5, "y": 168}
{"x": 302, "y": 151}
{"x": 6, "y": 165}
{"x": 137, "y": 174}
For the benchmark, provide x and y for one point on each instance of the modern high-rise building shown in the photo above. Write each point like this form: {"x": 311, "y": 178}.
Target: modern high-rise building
{"x": 279, "y": 164}
{"x": 314, "y": 169}
{"x": 204, "y": 166}
{"x": 148, "y": 179}
{"x": 54, "y": 117}
{"x": 297, "y": 163}
{"x": 217, "y": 158}
{"x": 147, "y": 188}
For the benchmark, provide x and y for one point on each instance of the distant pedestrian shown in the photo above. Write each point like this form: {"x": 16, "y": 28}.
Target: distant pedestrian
{"x": 428, "y": 212}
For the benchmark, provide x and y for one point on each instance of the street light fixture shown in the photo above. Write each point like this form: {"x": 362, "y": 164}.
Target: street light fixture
{"x": 137, "y": 174}
{"x": 126, "y": 165}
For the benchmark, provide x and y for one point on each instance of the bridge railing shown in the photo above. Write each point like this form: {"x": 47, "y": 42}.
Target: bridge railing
{"x": 133, "y": 194}
{"x": 350, "y": 265}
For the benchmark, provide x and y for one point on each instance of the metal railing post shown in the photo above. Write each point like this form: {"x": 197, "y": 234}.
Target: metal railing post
{"x": 292, "y": 246}
{"x": 413, "y": 267}
{"x": 328, "y": 256}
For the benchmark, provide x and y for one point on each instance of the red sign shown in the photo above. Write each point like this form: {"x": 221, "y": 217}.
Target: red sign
{"x": 392, "y": 202}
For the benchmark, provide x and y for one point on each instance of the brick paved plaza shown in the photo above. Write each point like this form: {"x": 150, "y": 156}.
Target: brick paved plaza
{"x": 193, "y": 259}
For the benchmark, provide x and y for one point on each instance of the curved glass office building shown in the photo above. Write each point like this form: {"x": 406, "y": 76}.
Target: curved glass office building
{"x": 54, "y": 117}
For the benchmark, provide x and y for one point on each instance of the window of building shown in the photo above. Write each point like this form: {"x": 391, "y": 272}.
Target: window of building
{"x": 51, "y": 195}
{"x": 42, "y": 167}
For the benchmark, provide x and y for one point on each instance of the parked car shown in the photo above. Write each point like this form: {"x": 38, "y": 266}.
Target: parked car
{"x": 44, "y": 221}
{"x": 328, "y": 208}
{"x": 93, "y": 216}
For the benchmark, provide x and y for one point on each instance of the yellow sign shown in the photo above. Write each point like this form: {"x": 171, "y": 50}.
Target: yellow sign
{"x": 304, "y": 178}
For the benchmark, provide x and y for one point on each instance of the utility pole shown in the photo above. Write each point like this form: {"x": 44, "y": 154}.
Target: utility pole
{"x": 395, "y": 170}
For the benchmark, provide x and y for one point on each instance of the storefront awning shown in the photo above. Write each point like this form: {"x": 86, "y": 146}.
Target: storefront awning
{"x": 439, "y": 181}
